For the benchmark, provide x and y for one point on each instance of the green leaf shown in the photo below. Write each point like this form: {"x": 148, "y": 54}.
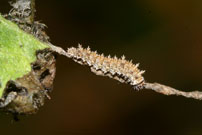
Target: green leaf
{"x": 17, "y": 52}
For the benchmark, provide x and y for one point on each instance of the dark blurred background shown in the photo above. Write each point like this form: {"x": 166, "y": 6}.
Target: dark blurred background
{"x": 163, "y": 36}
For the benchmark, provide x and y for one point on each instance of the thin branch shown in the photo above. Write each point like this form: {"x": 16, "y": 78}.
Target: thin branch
{"x": 166, "y": 90}
{"x": 160, "y": 88}
{"x": 58, "y": 50}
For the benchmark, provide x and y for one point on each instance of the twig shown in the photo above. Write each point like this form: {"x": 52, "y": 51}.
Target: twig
{"x": 160, "y": 88}
{"x": 166, "y": 90}
{"x": 129, "y": 75}
{"x": 58, "y": 50}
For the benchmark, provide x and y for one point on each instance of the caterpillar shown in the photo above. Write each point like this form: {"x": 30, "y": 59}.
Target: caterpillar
{"x": 117, "y": 68}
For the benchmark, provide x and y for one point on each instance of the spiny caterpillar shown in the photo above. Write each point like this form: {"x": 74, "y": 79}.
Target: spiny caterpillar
{"x": 119, "y": 69}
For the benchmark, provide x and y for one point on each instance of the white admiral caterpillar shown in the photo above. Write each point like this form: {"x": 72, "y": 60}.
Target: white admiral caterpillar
{"x": 119, "y": 69}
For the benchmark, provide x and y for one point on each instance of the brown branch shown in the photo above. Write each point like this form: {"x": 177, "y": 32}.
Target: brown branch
{"x": 166, "y": 90}
{"x": 58, "y": 50}
{"x": 160, "y": 88}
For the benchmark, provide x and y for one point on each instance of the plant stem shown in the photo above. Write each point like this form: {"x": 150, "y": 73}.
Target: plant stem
{"x": 166, "y": 90}
{"x": 160, "y": 88}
